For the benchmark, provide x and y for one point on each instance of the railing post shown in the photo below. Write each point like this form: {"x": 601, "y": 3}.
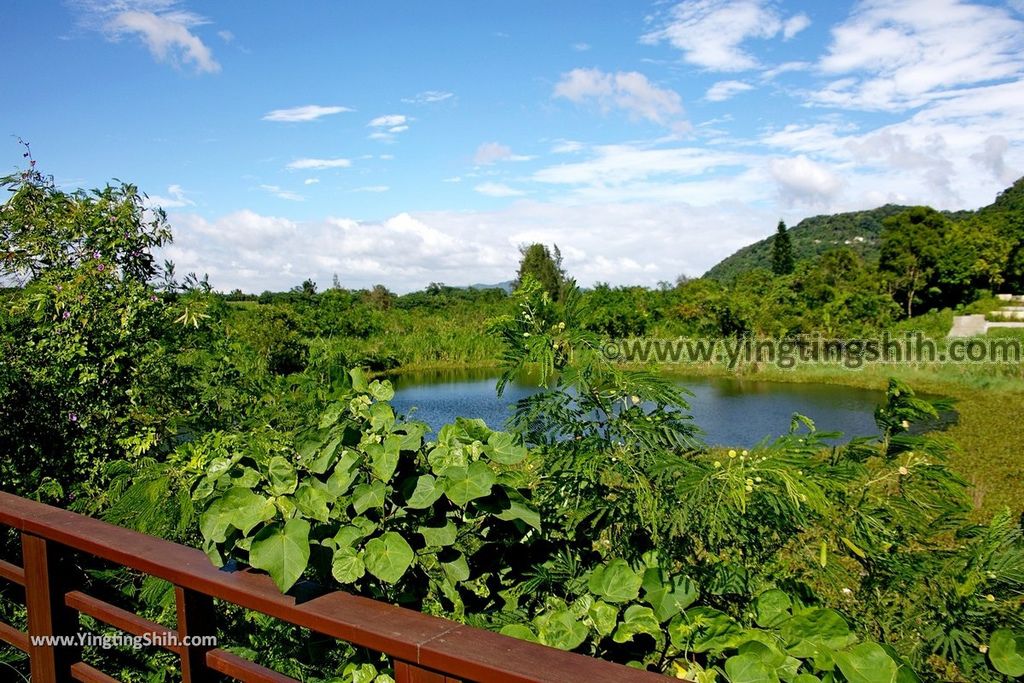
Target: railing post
{"x": 47, "y": 573}
{"x": 410, "y": 673}
{"x": 196, "y": 618}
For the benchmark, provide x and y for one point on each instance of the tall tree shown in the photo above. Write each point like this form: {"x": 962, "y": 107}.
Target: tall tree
{"x": 544, "y": 265}
{"x": 912, "y": 245}
{"x": 782, "y": 251}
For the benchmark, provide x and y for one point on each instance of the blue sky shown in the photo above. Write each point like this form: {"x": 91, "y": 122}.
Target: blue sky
{"x": 412, "y": 142}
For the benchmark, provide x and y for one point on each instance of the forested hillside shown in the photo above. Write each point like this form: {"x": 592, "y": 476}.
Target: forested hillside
{"x": 859, "y": 230}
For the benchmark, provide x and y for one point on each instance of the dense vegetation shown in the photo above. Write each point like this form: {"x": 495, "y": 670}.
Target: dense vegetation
{"x": 598, "y": 522}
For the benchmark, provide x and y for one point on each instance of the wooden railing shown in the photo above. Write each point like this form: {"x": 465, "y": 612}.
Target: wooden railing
{"x": 424, "y": 649}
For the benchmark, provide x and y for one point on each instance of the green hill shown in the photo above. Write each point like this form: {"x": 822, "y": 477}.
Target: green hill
{"x": 859, "y": 230}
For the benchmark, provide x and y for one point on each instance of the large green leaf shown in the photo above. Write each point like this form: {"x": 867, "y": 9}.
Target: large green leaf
{"x": 502, "y": 447}
{"x": 443, "y": 457}
{"x": 1006, "y": 650}
{"x": 282, "y": 551}
{"x": 387, "y": 557}
{"x": 867, "y": 663}
{"x": 772, "y": 608}
{"x": 439, "y": 536}
{"x": 384, "y": 457}
{"x": 454, "y": 565}
{"x": 615, "y": 582}
{"x": 462, "y": 485}
{"x": 238, "y": 507}
{"x": 312, "y": 502}
{"x": 368, "y": 496}
{"x": 382, "y": 391}
{"x": 425, "y": 493}
{"x": 748, "y": 668}
{"x": 283, "y": 478}
{"x": 344, "y": 473}
{"x": 560, "y": 629}
{"x": 637, "y": 619}
{"x": 804, "y": 632}
{"x": 520, "y": 631}
{"x": 347, "y": 566}
{"x": 518, "y": 509}
{"x": 604, "y": 616}
{"x": 671, "y": 597}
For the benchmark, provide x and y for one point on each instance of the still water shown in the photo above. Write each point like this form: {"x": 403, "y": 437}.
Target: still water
{"x": 734, "y": 412}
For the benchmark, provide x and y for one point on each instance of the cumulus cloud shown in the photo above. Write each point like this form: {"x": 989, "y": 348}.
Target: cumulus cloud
{"x": 309, "y": 112}
{"x": 629, "y": 91}
{"x": 310, "y": 181}
{"x": 492, "y": 152}
{"x": 899, "y": 54}
{"x": 992, "y": 157}
{"x": 711, "y": 33}
{"x": 174, "y": 199}
{"x": 497, "y": 190}
{"x": 803, "y": 180}
{"x": 164, "y": 26}
{"x": 724, "y": 90}
{"x": 407, "y": 251}
{"x": 310, "y": 164}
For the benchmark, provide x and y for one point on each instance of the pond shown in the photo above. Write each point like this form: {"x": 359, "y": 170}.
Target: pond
{"x": 733, "y": 412}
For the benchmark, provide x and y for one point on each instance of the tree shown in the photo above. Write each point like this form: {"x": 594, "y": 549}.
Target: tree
{"x": 84, "y": 374}
{"x": 545, "y": 266}
{"x": 782, "y": 251}
{"x": 912, "y": 245}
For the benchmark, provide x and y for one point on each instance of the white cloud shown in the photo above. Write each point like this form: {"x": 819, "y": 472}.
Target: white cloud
{"x": 310, "y": 181}
{"x": 497, "y": 190}
{"x": 175, "y": 199}
{"x": 992, "y": 158}
{"x": 724, "y": 90}
{"x": 802, "y": 180}
{"x": 581, "y": 47}
{"x": 162, "y": 25}
{"x": 899, "y": 54}
{"x": 226, "y": 36}
{"x": 388, "y": 121}
{"x": 491, "y": 152}
{"x": 629, "y": 91}
{"x": 711, "y": 33}
{"x": 429, "y": 97}
{"x": 567, "y": 147}
{"x": 307, "y": 164}
{"x": 618, "y": 165}
{"x": 388, "y": 126}
{"x": 794, "y": 25}
{"x": 309, "y": 112}
{"x": 283, "y": 194}
{"x": 372, "y": 188}
{"x": 408, "y": 251}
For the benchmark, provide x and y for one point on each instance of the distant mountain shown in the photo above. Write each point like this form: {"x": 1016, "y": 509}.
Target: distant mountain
{"x": 506, "y": 285}
{"x": 859, "y": 230}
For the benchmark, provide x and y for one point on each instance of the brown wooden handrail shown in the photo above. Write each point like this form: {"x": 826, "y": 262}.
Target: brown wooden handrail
{"x": 425, "y": 649}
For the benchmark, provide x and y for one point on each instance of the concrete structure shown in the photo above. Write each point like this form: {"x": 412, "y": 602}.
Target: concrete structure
{"x": 974, "y": 325}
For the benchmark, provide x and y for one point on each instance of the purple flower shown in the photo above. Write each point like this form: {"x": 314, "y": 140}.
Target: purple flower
{"x": 72, "y": 417}
{"x": 101, "y": 267}
{"x": 67, "y": 314}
